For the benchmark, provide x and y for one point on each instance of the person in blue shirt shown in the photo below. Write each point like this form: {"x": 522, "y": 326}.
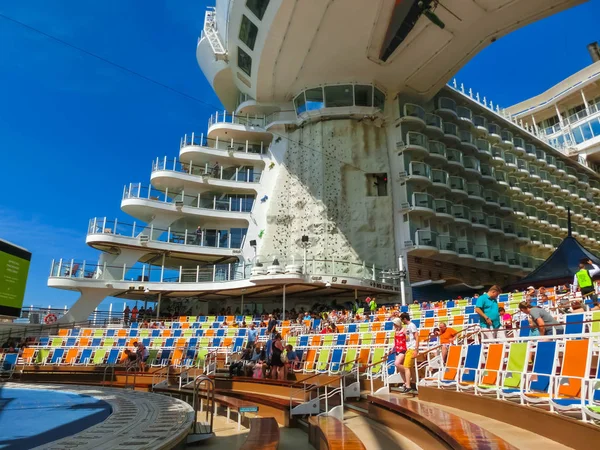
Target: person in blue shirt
{"x": 252, "y": 334}
{"x": 487, "y": 308}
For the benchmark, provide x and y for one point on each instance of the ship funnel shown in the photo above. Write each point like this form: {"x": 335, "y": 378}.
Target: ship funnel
{"x": 594, "y": 51}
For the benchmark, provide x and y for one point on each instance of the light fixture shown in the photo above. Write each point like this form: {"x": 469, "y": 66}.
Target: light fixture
{"x": 328, "y": 284}
{"x": 252, "y": 243}
{"x": 428, "y": 7}
{"x": 146, "y": 291}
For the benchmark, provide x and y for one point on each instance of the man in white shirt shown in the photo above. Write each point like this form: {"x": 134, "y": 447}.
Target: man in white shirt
{"x": 583, "y": 279}
{"x": 412, "y": 352}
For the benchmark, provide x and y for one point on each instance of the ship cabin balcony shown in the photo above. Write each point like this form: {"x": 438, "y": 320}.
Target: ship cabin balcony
{"x": 439, "y": 179}
{"x": 522, "y": 168}
{"x": 561, "y": 168}
{"x": 495, "y": 224}
{"x": 447, "y": 246}
{"x": 471, "y": 165}
{"x": 413, "y": 115}
{"x": 576, "y": 210}
{"x": 551, "y": 163}
{"x": 540, "y": 157}
{"x": 530, "y": 152}
{"x": 479, "y": 220}
{"x": 425, "y": 243}
{"x": 564, "y": 188}
{"x": 563, "y": 224}
{"x": 498, "y": 256}
{"x": 498, "y": 158}
{"x": 494, "y": 132}
{"x": 522, "y": 233}
{"x": 437, "y": 151}
{"x": 583, "y": 197}
{"x": 467, "y": 140}
{"x": 465, "y": 249}
{"x": 554, "y": 184}
{"x": 145, "y": 203}
{"x": 535, "y": 238}
{"x": 451, "y": 134}
{"x": 573, "y": 192}
{"x": 443, "y": 209}
{"x": 559, "y": 205}
{"x": 506, "y": 139}
{"x": 553, "y": 221}
{"x": 514, "y": 260}
{"x": 510, "y": 161}
{"x": 420, "y": 203}
{"x": 542, "y": 216}
{"x": 534, "y": 173}
{"x": 514, "y": 184}
{"x": 199, "y": 150}
{"x": 526, "y": 190}
{"x": 583, "y": 181}
{"x": 501, "y": 178}
{"x": 482, "y": 253}
{"x": 416, "y": 143}
{"x": 475, "y": 192}
{"x": 434, "y": 125}
{"x": 175, "y": 175}
{"x": 481, "y": 125}
{"x": 538, "y": 194}
{"x": 547, "y": 241}
{"x": 572, "y": 174}
{"x": 488, "y": 172}
{"x": 595, "y": 187}
{"x": 531, "y": 213}
{"x": 506, "y": 204}
{"x": 224, "y": 125}
{"x": 519, "y": 208}
{"x": 519, "y": 147}
{"x": 492, "y": 198}
{"x": 509, "y": 230}
{"x": 446, "y": 107}
{"x": 465, "y": 115}
{"x": 458, "y": 186}
{"x": 461, "y": 214}
{"x": 484, "y": 148}
{"x": 418, "y": 172}
{"x": 587, "y": 216}
{"x": 527, "y": 263}
{"x": 181, "y": 240}
{"x": 455, "y": 158}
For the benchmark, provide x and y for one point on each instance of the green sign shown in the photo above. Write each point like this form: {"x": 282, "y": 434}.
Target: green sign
{"x": 14, "y": 268}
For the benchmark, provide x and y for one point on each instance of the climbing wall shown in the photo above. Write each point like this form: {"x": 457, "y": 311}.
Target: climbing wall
{"x": 321, "y": 191}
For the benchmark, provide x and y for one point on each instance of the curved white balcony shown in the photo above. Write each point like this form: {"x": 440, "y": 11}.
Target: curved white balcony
{"x": 583, "y": 181}
{"x": 514, "y": 184}
{"x": 509, "y": 230}
{"x": 175, "y": 176}
{"x": 412, "y": 114}
{"x": 492, "y": 198}
{"x": 488, "y": 172}
{"x": 451, "y": 133}
{"x": 522, "y": 168}
{"x": 510, "y": 161}
{"x": 415, "y": 142}
{"x": 506, "y": 139}
{"x": 561, "y": 168}
{"x": 495, "y": 224}
{"x": 439, "y": 179}
{"x": 595, "y": 187}
{"x": 519, "y": 208}
{"x": 420, "y": 203}
{"x": 484, "y": 148}
{"x": 446, "y": 107}
{"x": 522, "y": 233}
{"x": 475, "y": 192}
{"x": 479, "y": 220}
{"x": 467, "y": 140}
{"x": 447, "y": 247}
{"x": 437, "y": 151}
{"x": 443, "y": 209}
{"x": 418, "y": 172}
{"x": 529, "y": 153}
{"x": 226, "y": 126}
{"x": 143, "y": 203}
{"x": 501, "y": 178}
{"x": 455, "y": 158}
{"x": 531, "y": 213}
{"x": 505, "y": 203}
{"x": 539, "y": 195}
{"x": 458, "y": 186}
{"x": 519, "y": 146}
{"x": 434, "y": 125}
{"x": 533, "y": 173}
{"x": 497, "y": 154}
{"x": 498, "y": 256}
{"x": 526, "y": 190}
{"x": 471, "y": 165}
{"x": 181, "y": 243}
{"x": 514, "y": 260}
{"x": 551, "y": 162}
{"x": 465, "y": 249}
{"x": 465, "y": 115}
{"x": 199, "y": 150}
{"x": 481, "y": 125}
{"x": 425, "y": 243}
{"x": 461, "y": 214}
{"x": 545, "y": 178}
{"x": 540, "y": 158}
{"x": 494, "y": 133}
{"x": 482, "y": 254}
{"x": 572, "y": 174}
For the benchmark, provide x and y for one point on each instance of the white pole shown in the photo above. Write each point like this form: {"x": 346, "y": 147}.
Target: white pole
{"x": 242, "y": 308}
{"x": 283, "y": 314}
{"x": 402, "y": 287}
{"x": 158, "y": 305}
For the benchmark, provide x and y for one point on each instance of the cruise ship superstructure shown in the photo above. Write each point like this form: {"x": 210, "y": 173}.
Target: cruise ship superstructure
{"x": 342, "y": 166}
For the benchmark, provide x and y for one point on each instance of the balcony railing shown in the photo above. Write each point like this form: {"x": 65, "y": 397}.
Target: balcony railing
{"x": 426, "y": 238}
{"x": 245, "y": 120}
{"x": 213, "y": 273}
{"x": 239, "y": 174}
{"x": 437, "y": 148}
{"x": 224, "y": 202}
{"x": 464, "y": 113}
{"x": 412, "y": 110}
{"x": 199, "y": 140}
{"x": 433, "y": 120}
{"x": 461, "y": 212}
{"x": 465, "y": 247}
{"x": 454, "y": 155}
{"x": 447, "y": 243}
{"x": 212, "y": 238}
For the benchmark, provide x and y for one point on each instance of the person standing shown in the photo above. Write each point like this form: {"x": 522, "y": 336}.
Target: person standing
{"x": 134, "y": 314}
{"x": 583, "y": 279}
{"x": 399, "y": 344}
{"x": 412, "y": 352}
{"x": 252, "y": 334}
{"x": 198, "y": 238}
{"x": 272, "y": 324}
{"x": 544, "y": 321}
{"x": 447, "y": 336}
{"x": 489, "y": 314}
{"x": 126, "y": 313}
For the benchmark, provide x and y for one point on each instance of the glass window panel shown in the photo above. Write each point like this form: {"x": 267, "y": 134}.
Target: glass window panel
{"x": 223, "y": 238}
{"x": 379, "y": 99}
{"x": 363, "y": 95}
{"x": 586, "y": 131}
{"x": 578, "y": 135}
{"x": 244, "y": 62}
{"x": 595, "y": 127}
{"x": 258, "y": 7}
{"x": 338, "y": 96}
{"x": 237, "y": 236}
{"x": 248, "y": 32}
{"x": 314, "y": 99}
{"x": 300, "y": 104}
{"x": 210, "y": 238}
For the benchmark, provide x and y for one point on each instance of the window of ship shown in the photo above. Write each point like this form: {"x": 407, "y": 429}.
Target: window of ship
{"x": 300, "y": 104}
{"x": 244, "y": 62}
{"x": 363, "y": 95}
{"x": 258, "y": 7}
{"x": 339, "y": 96}
{"x": 377, "y": 184}
{"x": 237, "y": 237}
{"x": 314, "y": 99}
{"x": 248, "y": 32}
{"x": 379, "y": 99}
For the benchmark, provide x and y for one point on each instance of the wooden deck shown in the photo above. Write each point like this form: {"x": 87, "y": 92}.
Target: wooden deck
{"x": 328, "y": 433}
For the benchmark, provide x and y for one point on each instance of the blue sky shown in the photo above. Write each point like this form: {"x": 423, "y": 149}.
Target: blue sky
{"x": 74, "y": 130}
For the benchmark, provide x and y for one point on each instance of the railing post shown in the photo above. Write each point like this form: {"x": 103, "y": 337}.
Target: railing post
{"x": 230, "y": 204}
{"x": 174, "y": 164}
{"x": 169, "y": 234}
{"x": 185, "y": 138}
{"x": 215, "y": 202}
{"x": 246, "y": 145}
{"x": 52, "y": 268}
{"x": 261, "y": 147}
{"x": 133, "y": 230}
{"x": 83, "y": 269}
{"x": 229, "y": 239}
{"x": 374, "y": 272}
{"x": 214, "y": 277}
{"x": 180, "y": 270}
{"x": 104, "y": 270}
{"x": 229, "y": 272}
{"x": 166, "y": 195}
{"x": 162, "y": 271}
{"x": 221, "y": 175}
{"x": 151, "y": 231}
{"x": 190, "y": 170}
{"x": 198, "y": 200}
{"x": 103, "y": 224}
{"x": 115, "y": 229}
{"x": 124, "y": 270}
{"x": 71, "y": 270}
{"x": 197, "y": 274}
{"x": 217, "y": 142}
{"x": 202, "y": 139}
{"x": 95, "y": 226}
{"x": 237, "y": 172}
{"x": 185, "y": 238}
{"x": 143, "y": 272}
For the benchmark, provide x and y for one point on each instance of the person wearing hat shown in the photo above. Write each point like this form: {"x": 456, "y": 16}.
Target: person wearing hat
{"x": 399, "y": 344}
{"x": 583, "y": 279}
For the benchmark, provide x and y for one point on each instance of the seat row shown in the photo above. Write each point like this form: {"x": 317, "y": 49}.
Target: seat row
{"x": 559, "y": 375}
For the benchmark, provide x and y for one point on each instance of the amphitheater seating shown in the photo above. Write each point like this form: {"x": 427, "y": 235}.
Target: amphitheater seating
{"x": 326, "y": 432}
{"x": 263, "y": 435}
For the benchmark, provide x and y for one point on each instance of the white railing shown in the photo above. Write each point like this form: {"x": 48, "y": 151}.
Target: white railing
{"x": 242, "y": 174}
{"x": 229, "y": 145}
{"x": 211, "y": 33}
{"x": 236, "y": 119}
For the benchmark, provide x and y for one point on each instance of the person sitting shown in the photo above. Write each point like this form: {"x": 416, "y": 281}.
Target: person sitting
{"x": 595, "y": 306}
{"x": 447, "y": 337}
{"x": 142, "y": 354}
{"x": 293, "y": 362}
{"x": 577, "y": 307}
{"x": 131, "y": 359}
{"x": 237, "y": 367}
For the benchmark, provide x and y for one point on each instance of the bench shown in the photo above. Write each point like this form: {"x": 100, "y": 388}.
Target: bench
{"x": 451, "y": 430}
{"x": 329, "y": 433}
{"x": 263, "y": 435}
